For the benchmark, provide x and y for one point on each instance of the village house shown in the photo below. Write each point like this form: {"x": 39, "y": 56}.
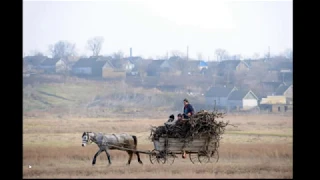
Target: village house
{"x": 285, "y": 90}
{"x": 33, "y": 62}
{"x": 268, "y": 88}
{"x": 257, "y": 63}
{"x": 228, "y": 66}
{"x": 53, "y": 65}
{"x": 194, "y": 67}
{"x": 153, "y": 68}
{"x": 218, "y": 96}
{"x": 170, "y": 68}
{"x": 115, "y": 68}
{"x": 281, "y": 101}
{"x": 89, "y": 66}
{"x": 242, "y": 100}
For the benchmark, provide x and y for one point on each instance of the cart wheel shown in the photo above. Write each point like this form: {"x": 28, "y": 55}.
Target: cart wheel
{"x": 215, "y": 155}
{"x": 153, "y": 156}
{"x": 193, "y": 158}
{"x": 161, "y": 157}
{"x": 203, "y": 157}
{"x": 170, "y": 158}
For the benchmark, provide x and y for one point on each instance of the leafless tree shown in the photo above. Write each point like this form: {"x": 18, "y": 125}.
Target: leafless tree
{"x": 62, "y": 49}
{"x": 221, "y": 54}
{"x": 118, "y": 55}
{"x": 177, "y": 53}
{"x": 256, "y": 56}
{"x": 95, "y": 44}
{"x": 237, "y": 57}
{"x": 36, "y": 53}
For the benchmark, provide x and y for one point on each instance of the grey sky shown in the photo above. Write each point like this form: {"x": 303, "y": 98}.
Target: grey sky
{"x": 153, "y": 27}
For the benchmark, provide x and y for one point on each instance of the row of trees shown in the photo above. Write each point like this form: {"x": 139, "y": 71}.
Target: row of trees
{"x": 65, "y": 48}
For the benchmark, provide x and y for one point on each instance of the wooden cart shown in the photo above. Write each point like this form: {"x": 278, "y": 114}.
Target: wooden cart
{"x": 201, "y": 150}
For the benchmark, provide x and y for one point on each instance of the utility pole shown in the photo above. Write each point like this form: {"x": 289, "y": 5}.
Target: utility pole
{"x": 187, "y": 53}
{"x": 228, "y": 78}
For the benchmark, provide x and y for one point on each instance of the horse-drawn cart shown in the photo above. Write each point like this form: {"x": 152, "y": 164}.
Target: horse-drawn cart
{"x": 198, "y": 137}
{"x": 201, "y": 150}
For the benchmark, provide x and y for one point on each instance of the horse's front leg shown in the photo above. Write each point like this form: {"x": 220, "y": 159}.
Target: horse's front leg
{"x": 108, "y": 155}
{"x": 95, "y": 156}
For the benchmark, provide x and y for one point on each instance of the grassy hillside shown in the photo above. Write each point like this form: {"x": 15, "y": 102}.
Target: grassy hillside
{"x": 73, "y": 96}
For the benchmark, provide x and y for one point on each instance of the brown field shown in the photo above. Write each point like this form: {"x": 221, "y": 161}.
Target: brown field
{"x": 259, "y": 147}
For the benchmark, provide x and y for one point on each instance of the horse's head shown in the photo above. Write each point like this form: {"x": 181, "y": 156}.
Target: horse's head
{"x": 87, "y": 138}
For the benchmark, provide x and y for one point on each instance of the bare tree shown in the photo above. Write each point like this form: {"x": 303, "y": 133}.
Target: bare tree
{"x": 256, "y": 56}
{"x": 237, "y": 57}
{"x": 221, "y": 54}
{"x": 36, "y": 53}
{"x": 95, "y": 45}
{"x": 118, "y": 55}
{"x": 177, "y": 53}
{"x": 62, "y": 49}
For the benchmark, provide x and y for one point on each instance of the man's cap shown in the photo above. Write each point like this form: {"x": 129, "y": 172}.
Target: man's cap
{"x": 185, "y": 100}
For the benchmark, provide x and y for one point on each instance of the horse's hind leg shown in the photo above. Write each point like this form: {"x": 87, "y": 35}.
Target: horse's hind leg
{"x": 130, "y": 153}
{"x": 108, "y": 155}
{"x": 139, "y": 160}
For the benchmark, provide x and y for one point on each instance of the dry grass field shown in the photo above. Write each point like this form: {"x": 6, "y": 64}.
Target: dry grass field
{"x": 259, "y": 147}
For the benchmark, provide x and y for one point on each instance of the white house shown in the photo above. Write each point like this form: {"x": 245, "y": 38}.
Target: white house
{"x": 128, "y": 65}
{"x": 218, "y": 96}
{"x": 53, "y": 65}
{"x": 242, "y": 100}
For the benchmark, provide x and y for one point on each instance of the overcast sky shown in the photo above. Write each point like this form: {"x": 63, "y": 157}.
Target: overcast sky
{"x": 154, "y": 27}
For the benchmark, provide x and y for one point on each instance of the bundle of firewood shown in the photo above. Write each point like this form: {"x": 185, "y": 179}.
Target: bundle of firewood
{"x": 201, "y": 124}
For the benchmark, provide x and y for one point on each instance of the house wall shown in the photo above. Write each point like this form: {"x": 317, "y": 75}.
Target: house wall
{"x": 47, "y": 69}
{"x": 202, "y": 67}
{"x": 289, "y": 101}
{"x": 165, "y": 64}
{"x": 274, "y": 100}
{"x": 288, "y": 92}
{"x": 174, "y": 73}
{"x": 82, "y": 70}
{"x": 249, "y": 103}
{"x": 241, "y": 67}
{"x": 235, "y": 103}
{"x": 110, "y": 73}
{"x": 220, "y": 101}
{"x": 129, "y": 66}
{"x": 60, "y": 67}
{"x": 153, "y": 73}
{"x": 281, "y": 108}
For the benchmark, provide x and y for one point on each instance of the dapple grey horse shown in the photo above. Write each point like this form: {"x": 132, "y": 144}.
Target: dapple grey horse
{"x": 107, "y": 142}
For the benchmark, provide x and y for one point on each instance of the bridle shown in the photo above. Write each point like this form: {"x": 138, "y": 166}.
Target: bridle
{"x": 89, "y": 140}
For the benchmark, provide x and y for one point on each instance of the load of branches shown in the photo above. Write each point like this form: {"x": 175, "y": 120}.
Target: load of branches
{"x": 201, "y": 124}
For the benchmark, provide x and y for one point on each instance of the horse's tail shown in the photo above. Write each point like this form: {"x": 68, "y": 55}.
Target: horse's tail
{"x": 135, "y": 140}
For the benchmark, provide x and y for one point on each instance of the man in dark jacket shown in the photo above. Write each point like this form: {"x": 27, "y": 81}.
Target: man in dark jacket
{"x": 187, "y": 109}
